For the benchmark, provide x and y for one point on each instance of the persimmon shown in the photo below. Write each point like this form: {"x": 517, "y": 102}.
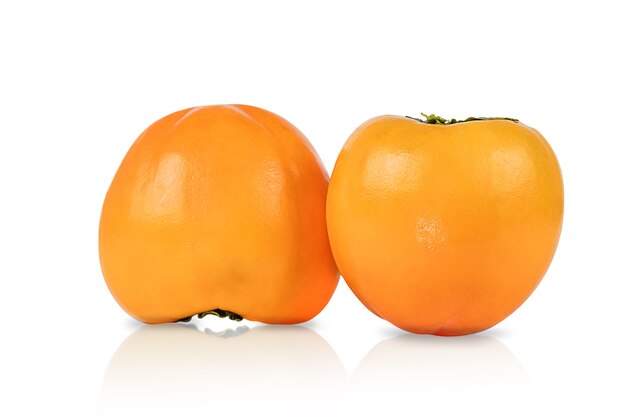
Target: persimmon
{"x": 444, "y": 227}
{"x": 218, "y": 210}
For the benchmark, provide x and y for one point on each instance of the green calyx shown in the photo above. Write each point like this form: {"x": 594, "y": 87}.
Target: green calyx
{"x": 433, "y": 119}
{"x": 215, "y": 312}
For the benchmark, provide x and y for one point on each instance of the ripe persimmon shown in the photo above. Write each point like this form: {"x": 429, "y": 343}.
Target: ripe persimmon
{"x": 218, "y": 210}
{"x": 444, "y": 227}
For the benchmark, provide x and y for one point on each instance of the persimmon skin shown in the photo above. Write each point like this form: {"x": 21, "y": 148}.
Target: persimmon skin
{"x": 444, "y": 229}
{"x": 218, "y": 207}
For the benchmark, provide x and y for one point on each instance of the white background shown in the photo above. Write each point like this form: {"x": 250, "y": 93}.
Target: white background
{"x": 80, "y": 80}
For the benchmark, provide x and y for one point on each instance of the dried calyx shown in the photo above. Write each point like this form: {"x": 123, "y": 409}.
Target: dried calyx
{"x": 215, "y": 312}
{"x": 433, "y": 119}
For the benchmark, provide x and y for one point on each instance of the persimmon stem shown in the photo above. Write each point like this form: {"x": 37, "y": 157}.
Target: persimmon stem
{"x": 215, "y": 312}
{"x": 433, "y": 119}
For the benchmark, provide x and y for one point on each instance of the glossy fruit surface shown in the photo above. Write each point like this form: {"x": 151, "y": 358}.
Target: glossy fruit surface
{"x": 218, "y": 207}
{"x": 444, "y": 228}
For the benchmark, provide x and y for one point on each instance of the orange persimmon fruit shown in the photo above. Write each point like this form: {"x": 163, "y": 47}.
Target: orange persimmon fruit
{"x": 444, "y": 227}
{"x": 221, "y": 210}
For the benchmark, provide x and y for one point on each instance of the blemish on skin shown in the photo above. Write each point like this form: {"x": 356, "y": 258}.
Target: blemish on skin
{"x": 429, "y": 232}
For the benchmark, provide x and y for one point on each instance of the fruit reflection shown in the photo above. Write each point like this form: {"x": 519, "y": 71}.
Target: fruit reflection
{"x": 176, "y": 367}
